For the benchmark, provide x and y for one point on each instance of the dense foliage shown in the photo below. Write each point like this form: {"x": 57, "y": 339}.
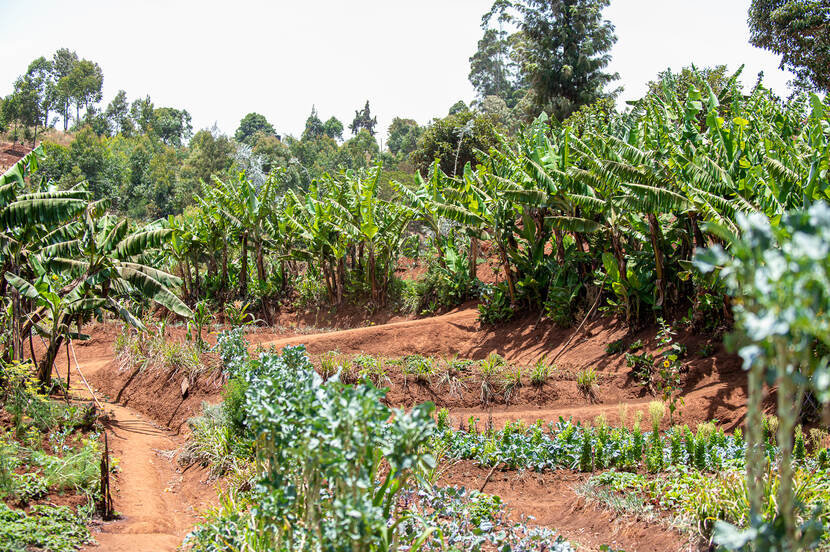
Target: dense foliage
{"x": 799, "y": 31}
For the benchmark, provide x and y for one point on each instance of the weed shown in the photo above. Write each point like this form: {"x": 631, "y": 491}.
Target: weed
{"x": 420, "y": 367}
{"x": 328, "y": 364}
{"x": 706, "y": 350}
{"x": 586, "y": 382}
{"x": 491, "y": 371}
{"x": 511, "y": 381}
{"x": 540, "y": 373}
{"x": 635, "y": 346}
{"x": 615, "y": 347}
{"x": 449, "y": 374}
{"x": 371, "y": 368}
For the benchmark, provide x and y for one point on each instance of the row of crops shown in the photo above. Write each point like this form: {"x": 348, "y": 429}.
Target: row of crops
{"x": 313, "y": 462}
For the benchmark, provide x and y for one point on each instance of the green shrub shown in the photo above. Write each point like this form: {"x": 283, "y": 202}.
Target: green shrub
{"x": 53, "y": 528}
{"x": 495, "y": 306}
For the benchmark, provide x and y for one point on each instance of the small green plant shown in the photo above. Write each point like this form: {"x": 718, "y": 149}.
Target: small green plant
{"x": 328, "y": 364}
{"x": 586, "y": 459}
{"x": 615, "y": 347}
{"x": 586, "y": 382}
{"x": 635, "y": 345}
{"x": 372, "y": 369}
{"x": 540, "y": 373}
{"x": 491, "y": 370}
{"x": 706, "y": 350}
{"x": 420, "y": 367}
{"x": 495, "y": 306}
{"x": 450, "y": 374}
{"x": 237, "y": 315}
{"x": 195, "y": 326}
{"x": 643, "y": 368}
{"x": 511, "y": 381}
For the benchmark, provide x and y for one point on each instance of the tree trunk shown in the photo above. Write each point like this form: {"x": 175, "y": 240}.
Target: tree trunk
{"x": 260, "y": 262}
{"x": 224, "y": 283}
{"x": 371, "y": 268}
{"x": 559, "y": 237}
{"x": 44, "y": 370}
{"x": 700, "y": 241}
{"x": 656, "y": 238}
{"x": 619, "y": 255}
{"x": 243, "y": 270}
{"x": 340, "y": 279}
{"x": 473, "y": 265}
{"x": 511, "y": 287}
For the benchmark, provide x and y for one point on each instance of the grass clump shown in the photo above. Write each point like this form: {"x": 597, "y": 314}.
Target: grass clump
{"x": 586, "y": 382}
{"x": 540, "y": 373}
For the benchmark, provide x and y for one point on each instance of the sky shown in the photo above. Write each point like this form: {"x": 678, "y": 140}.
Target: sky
{"x": 221, "y": 60}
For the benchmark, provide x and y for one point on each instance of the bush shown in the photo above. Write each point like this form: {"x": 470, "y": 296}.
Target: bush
{"x": 495, "y": 305}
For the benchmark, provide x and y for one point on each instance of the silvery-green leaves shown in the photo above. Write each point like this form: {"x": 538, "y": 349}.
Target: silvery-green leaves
{"x": 780, "y": 277}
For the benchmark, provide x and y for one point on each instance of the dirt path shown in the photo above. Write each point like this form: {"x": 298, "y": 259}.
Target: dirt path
{"x": 157, "y": 501}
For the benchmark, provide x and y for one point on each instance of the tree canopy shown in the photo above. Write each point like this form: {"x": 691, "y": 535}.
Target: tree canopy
{"x": 250, "y": 125}
{"x": 797, "y": 30}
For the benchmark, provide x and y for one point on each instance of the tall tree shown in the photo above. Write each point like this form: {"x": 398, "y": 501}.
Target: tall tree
{"x": 85, "y": 82}
{"x": 63, "y": 62}
{"x": 798, "y": 30}
{"x": 142, "y": 113}
{"x": 250, "y": 125}
{"x": 564, "y": 51}
{"x": 333, "y": 128}
{"x": 118, "y": 114}
{"x": 403, "y": 136}
{"x": 314, "y": 127}
{"x": 363, "y": 119}
{"x": 172, "y": 126}
{"x": 41, "y": 75}
{"x": 494, "y": 69}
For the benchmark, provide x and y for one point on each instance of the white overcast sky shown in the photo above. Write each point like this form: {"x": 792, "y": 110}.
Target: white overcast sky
{"x": 221, "y": 60}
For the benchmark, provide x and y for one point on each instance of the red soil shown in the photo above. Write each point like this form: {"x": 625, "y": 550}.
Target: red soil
{"x": 159, "y": 502}
{"x": 10, "y": 154}
{"x": 715, "y": 387}
{"x": 551, "y": 500}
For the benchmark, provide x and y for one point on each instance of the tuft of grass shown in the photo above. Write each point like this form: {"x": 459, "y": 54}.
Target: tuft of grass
{"x": 371, "y": 368}
{"x": 213, "y": 443}
{"x": 450, "y": 374}
{"x": 511, "y": 381}
{"x": 420, "y": 367}
{"x": 491, "y": 371}
{"x": 328, "y": 364}
{"x": 586, "y": 382}
{"x": 540, "y": 373}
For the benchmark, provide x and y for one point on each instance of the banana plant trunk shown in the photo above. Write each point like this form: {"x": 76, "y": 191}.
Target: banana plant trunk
{"x": 260, "y": 262}
{"x": 243, "y": 264}
{"x": 656, "y": 238}
{"x": 622, "y": 268}
{"x": 371, "y": 268}
{"x": 700, "y": 241}
{"x": 44, "y": 369}
{"x": 508, "y": 273}
{"x": 473, "y": 257}
{"x": 224, "y": 283}
{"x": 559, "y": 236}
